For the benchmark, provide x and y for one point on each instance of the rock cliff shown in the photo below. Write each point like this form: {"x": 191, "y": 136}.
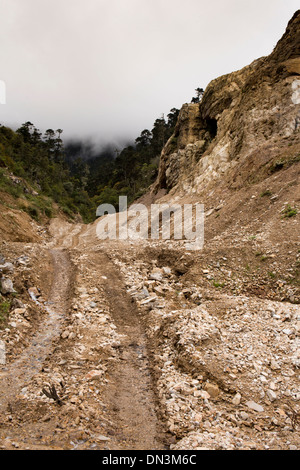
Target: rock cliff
{"x": 245, "y": 121}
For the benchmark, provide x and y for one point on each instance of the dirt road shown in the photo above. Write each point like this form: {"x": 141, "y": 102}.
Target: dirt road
{"x": 135, "y": 346}
{"x": 128, "y": 398}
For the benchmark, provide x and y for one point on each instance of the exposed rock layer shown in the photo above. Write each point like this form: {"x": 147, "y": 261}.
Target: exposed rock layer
{"x": 240, "y": 113}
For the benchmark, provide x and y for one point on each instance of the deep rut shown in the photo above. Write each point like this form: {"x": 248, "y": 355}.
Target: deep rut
{"x": 130, "y": 393}
{"x": 18, "y": 373}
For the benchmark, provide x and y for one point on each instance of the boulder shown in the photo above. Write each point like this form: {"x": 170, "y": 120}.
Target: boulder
{"x": 7, "y": 286}
{"x": 7, "y": 268}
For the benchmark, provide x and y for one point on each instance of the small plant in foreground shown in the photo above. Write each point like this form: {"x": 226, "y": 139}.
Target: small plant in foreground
{"x": 289, "y": 212}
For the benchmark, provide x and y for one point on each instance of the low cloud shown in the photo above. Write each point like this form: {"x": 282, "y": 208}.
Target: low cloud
{"x": 106, "y": 70}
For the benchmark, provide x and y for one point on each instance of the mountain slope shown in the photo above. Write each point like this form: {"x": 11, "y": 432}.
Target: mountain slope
{"x": 242, "y": 117}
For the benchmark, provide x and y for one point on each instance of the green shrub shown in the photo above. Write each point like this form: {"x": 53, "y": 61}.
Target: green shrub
{"x": 218, "y": 284}
{"x": 4, "y": 311}
{"x": 289, "y": 212}
{"x": 265, "y": 193}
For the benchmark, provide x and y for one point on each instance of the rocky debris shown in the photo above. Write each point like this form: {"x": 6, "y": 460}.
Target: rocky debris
{"x": 224, "y": 368}
{"x": 23, "y": 260}
{"x": 21, "y": 312}
{"x": 34, "y": 293}
{"x": 7, "y": 286}
{"x": 89, "y": 343}
{"x": 17, "y": 303}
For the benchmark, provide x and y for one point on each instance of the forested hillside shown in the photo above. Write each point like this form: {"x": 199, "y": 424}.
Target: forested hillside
{"x": 33, "y": 169}
{"x": 127, "y": 172}
{"x": 44, "y": 173}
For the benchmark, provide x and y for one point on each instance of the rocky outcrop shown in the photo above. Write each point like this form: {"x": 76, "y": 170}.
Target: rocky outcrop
{"x": 239, "y": 114}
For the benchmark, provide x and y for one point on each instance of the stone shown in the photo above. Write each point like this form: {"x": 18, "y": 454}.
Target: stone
{"x": 204, "y": 395}
{"x": 101, "y": 438}
{"x": 34, "y": 293}
{"x": 2, "y": 353}
{"x": 287, "y": 331}
{"x": 212, "y": 390}
{"x": 147, "y": 301}
{"x": 263, "y": 379}
{"x": 274, "y": 365}
{"x": 272, "y": 386}
{"x": 271, "y": 395}
{"x": 244, "y": 416}
{"x": 142, "y": 295}
{"x": 7, "y": 268}
{"x": 254, "y": 406}
{"x": 7, "y": 286}
{"x": 19, "y": 311}
{"x": 156, "y": 275}
{"x": 94, "y": 375}
{"x": 167, "y": 270}
{"x": 237, "y": 399}
{"x": 16, "y": 303}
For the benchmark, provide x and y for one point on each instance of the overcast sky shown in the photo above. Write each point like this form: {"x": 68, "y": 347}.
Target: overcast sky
{"x": 108, "y": 68}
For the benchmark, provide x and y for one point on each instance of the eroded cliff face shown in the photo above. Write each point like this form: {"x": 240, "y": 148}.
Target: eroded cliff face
{"x": 244, "y": 122}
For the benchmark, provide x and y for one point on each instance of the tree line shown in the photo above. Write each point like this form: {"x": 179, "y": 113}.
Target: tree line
{"x": 78, "y": 178}
{"x": 127, "y": 172}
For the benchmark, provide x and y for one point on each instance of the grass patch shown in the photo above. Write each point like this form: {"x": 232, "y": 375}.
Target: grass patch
{"x": 284, "y": 162}
{"x": 218, "y": 284}
{"x": 4, "y": 312}
{"x": 289, "y": 212}
{"x": 32, "y": 212}
{"x": 6, "y": 185}
{"x": 266, "y": 193}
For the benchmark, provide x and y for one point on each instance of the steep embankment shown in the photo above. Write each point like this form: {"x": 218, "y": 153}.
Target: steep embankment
{"x": 246, "y": 121}
{"x": 238, "y": 153}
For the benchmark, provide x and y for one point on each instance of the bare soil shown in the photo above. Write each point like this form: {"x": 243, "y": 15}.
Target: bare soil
{"x": 128, "y": 375}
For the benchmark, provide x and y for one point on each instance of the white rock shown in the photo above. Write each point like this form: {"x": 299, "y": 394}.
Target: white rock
{"x": 274, "y": 365}
{"x": 7, "y": 268}
{"x": 2, "y": 353}
{"x": 271, "y": 395}
{"x": 237, "y": 399}
{"x": 7, "y": 286}
{"x": 254, "y": 406}
{"x": 147, "y": 301}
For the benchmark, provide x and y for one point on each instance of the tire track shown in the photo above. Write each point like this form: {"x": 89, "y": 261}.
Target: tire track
{"x": 15, "y": 375}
